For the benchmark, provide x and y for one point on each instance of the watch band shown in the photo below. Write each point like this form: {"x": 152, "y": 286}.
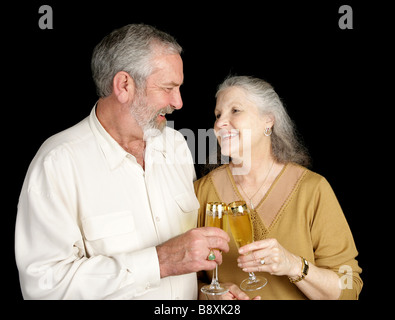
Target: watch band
{"x": 305, "y": 270}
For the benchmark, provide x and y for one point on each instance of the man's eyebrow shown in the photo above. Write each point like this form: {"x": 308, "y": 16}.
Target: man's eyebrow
{"x": 173, "y": 84}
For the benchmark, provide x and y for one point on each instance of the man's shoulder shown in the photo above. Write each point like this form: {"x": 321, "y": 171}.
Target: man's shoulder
{"x": 65, "y": 140}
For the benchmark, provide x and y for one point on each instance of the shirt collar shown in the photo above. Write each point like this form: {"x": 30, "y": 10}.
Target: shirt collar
{"x": 112, "y": 151}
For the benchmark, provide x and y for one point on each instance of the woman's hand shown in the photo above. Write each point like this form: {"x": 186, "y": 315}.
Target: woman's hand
{"x": 269, "y": 256}
{"x": 234, "y": 293}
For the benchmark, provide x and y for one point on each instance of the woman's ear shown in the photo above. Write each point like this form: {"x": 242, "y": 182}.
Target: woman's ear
{"x": 123, "y": 87}
{"x": 269, "y": 120}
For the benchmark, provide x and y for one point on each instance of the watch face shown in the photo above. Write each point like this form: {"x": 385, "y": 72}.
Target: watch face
{"x": 306, "y": 267}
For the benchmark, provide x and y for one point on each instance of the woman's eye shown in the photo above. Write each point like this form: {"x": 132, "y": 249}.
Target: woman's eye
{"x": 217, "y": 116}
{"x": 235, "y": 110}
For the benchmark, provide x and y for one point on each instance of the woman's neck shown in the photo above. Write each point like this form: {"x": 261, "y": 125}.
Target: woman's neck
{"x": 253, "y": 164}
{"x": 255, "y": 182}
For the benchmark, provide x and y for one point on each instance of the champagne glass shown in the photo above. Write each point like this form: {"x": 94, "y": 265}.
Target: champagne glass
{"x": 241, "y": 227}
{"x": 214, "y": 218}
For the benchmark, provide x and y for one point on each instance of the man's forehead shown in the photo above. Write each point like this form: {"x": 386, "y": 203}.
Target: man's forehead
{"x": 168, "y": 70}
{"x": 167, "y": 60}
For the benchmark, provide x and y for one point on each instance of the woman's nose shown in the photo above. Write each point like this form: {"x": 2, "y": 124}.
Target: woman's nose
{"x": 221, "y": 122}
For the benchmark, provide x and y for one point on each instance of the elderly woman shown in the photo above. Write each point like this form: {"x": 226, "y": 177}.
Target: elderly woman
{"x": 302, "y": 242}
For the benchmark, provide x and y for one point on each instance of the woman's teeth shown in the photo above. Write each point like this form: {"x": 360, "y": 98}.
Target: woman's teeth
{"x": 229, "y": 135}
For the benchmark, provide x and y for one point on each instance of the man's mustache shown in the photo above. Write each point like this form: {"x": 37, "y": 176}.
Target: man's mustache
{"x": 165, "y": 110}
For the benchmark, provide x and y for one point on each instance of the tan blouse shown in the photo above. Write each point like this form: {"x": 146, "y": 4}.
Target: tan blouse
{"x": 307, "y": 220}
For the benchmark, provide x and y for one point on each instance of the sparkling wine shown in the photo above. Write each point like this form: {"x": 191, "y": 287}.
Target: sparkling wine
{"x": 214, "y": 218}
{"x": 239, "y": 220}
{"x": 214, "y": 214}
{"x": 241, "y": 228}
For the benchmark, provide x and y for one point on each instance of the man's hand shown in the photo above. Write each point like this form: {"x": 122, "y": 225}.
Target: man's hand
{"x": 188, "y": 252}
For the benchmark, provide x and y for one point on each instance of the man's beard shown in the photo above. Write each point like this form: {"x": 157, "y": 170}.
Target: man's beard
{"x": 146, "y": 116}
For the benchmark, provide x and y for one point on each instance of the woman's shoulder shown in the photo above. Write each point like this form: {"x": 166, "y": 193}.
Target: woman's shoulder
{"x": 207, "y": 178}
{"x": 205, "y": 187}
{"x": 311, "y": 179}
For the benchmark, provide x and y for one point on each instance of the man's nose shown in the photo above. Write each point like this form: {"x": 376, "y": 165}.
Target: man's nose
{"x": 176, "y": 100}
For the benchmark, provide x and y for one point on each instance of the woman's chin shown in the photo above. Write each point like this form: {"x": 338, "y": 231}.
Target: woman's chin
{"x": 234, "y": 155}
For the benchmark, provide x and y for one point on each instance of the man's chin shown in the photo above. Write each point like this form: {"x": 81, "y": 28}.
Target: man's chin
{"x": 154, "y": 131}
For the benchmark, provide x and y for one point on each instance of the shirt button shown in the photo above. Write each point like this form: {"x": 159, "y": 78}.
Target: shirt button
{"x": 148, "y": 286}
{"x": 157, "y": 219}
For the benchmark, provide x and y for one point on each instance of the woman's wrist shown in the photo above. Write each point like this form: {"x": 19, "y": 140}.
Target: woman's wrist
{"x": 303, "y": 271}
{"x": 296, "y": 269}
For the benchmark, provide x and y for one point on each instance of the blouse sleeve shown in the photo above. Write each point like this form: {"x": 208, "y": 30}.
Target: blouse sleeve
{"x": 333, "y": 243}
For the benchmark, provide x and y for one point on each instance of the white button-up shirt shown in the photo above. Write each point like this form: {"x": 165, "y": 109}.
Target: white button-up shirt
{"x": 89, "y": 217}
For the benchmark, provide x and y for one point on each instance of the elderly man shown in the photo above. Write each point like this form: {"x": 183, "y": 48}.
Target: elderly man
{"x": 107, "y": 209}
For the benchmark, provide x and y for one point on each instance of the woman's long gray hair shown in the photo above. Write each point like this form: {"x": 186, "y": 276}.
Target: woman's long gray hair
{"x": 286, "y": 145}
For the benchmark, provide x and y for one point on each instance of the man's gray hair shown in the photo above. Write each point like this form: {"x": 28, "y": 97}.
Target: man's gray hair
{"x": 286, "y": 145}
{"x": 130, "y": 49}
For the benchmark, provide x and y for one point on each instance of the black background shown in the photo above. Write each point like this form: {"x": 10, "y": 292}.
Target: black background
{"x": 328, "y": 79}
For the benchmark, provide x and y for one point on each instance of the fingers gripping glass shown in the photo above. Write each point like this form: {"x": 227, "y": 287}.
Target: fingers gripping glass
{"x": 241, "y": 227}
{"x": 214, "y": 218}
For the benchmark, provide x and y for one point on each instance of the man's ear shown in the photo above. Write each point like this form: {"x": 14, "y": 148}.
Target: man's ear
{"x": 123, "y": 87}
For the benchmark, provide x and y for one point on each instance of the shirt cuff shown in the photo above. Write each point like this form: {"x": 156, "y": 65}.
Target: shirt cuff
{"x": 143, "y": 270}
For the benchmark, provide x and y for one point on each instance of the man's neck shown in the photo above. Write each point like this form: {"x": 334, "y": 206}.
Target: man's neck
{"x": 117, "y": 120}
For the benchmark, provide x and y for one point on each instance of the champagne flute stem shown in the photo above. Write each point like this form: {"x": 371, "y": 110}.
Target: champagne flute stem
{"x": 252, "y": 276}
{"x": 214, "y": 282}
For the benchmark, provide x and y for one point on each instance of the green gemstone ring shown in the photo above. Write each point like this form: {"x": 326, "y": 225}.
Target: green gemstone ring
{"x": 211, "y": 256}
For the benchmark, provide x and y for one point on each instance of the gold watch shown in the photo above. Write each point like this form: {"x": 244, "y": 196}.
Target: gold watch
{"x": 305, "y": 270}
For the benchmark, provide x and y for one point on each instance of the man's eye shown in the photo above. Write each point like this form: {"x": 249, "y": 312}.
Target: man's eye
{"x": 217, "y": 116}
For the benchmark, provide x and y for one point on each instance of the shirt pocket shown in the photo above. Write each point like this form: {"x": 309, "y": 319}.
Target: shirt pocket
{"x": 188, "y": 209}
{"x": 187, "y": 202}
{"x": 109, "y": 233}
